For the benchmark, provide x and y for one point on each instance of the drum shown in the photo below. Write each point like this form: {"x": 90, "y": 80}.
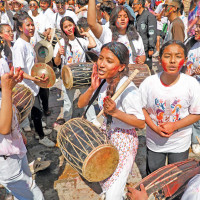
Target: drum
{"x": 86, "y": 150}
{"x": 170, "y": 180}
{"x": 77, "y": 75}
{"x": 144, "y": 72}
{"x": 23, "y": 99}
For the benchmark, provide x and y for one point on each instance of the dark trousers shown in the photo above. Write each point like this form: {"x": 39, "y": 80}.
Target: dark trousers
{"x": 148, "y": 60}
{"x": 44, "y": 96}
{"x": 36, "y": 115}
{"x": 157, "y": 160}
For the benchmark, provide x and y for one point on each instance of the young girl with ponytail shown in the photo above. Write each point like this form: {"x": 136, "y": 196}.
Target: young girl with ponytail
{"x": 121, "y": 116}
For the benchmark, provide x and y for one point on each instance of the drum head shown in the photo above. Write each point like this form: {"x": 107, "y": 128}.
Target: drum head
{"x": 44, "y": 51}
{"x": 42, "y": 68}
{"x": 23, "y": 99}
{"x": 144, "y": 72}
{"x": 100, "y": 163}
{"x": 67, "y": 77}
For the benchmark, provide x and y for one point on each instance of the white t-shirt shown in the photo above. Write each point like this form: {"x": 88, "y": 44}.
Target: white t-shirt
{"x": 41, "y": 23}
{"x": 106, "y": 37}
{"x": 76, "y": 54}
{"x": 163, "y": 19}
{"x": 96, "y": 49}
{"x": 192, "y": 191}
{"x": 4, "y": 68}
{"x": 185, "y": 22}
{"x": 194, "y": 60}
{"x": 83, "y": 13}
{"x": 58, "y": 17}
{"x": 49, "y": 14}
{"x": 128, "y": 102}
{"x": 24, "y": 57}
{"x": 170, "y": 104}
{"x": 5, "y": 20}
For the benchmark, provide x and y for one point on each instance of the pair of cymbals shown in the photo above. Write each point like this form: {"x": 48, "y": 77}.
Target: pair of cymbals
{"x": 44, "y": 51}
{"x": 42, "y": 69}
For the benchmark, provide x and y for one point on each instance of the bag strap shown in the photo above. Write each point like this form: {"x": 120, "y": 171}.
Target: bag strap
{"x": 89, "y": 58}
{"x": 132, "y": 48}
{"x": 94, "y": 97}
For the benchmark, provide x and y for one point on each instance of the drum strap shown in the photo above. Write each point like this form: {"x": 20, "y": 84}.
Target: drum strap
{"x": 94, "y": 97}
{"x": 89, "y": 58}
{"x": 132, "y": 48}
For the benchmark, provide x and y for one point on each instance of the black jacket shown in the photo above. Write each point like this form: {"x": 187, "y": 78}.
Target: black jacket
{"x": 146, "y": 25}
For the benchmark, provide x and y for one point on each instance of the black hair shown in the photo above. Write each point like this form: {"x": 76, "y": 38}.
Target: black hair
{"x": 64, "y": 35}
{"x": 82, "y": 2}
{"x": 107, "y": 6}
{"x": 173, "y": 42}
{"x": 35, "y": 1}
{"x": 181, "y": 8}
{"x": 82, "y": 23}
{"x": 1, "y": 44}
{"x": 19, "y": 18}
{"x": 48, "y": 1}
{"x": 139, "y": 1}
{"x": 60, "y": 1}
{"x": 130, "y": 30}
{"x": 120, "y": 51}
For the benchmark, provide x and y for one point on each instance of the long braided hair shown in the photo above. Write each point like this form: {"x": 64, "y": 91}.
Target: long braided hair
{"x": 64, "y": 35}
{"x": 122, "y": 53}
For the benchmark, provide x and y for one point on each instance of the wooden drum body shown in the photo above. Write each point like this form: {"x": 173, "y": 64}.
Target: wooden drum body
{"x": 23, "y": 99}
{"x": 144, "y": 72}
{"x": 84, "y": 147}
{"x": 77, "y": 75}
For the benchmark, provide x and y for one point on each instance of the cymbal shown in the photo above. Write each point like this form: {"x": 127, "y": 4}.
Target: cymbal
{"x": 41, "y": 68}
{"x": 44, "y": 51}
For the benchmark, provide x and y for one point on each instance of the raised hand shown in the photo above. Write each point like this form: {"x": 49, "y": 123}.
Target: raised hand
{"x": 9, "y": 80}
{"x": 95, "y": 80}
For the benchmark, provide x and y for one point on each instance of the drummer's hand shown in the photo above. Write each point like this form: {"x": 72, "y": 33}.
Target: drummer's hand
{"x": 9, "y": 80}
{"x": 138, "y": 60}
{"x": 197, "y": 71}
{"x": 95, "y": 80}
{"x": 61, "y": 51}
{"x": 109, "y": 106}
{"x": 134, "y": 194}
{"x": 41, "y": 78}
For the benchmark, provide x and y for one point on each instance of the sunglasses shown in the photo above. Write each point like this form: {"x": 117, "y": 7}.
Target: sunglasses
{"x": 135, "y": 4}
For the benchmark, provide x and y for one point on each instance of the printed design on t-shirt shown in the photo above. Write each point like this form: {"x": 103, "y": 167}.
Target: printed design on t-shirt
{"x": 127, "y": 44}
{"x": 193, "y": 62}
{"x": 167, "y": 112}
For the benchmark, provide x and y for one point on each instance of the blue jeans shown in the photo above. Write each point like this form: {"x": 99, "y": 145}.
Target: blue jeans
{"x": 16, "y": 177}
{"x": 195, "y": 132}
{"x": 68, "y": 96}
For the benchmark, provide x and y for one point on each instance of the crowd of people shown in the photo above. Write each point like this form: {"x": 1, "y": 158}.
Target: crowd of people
{"x": 119, "y": 33}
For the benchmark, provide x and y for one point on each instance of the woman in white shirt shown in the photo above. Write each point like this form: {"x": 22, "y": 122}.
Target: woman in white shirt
{"x": 121, "y": 29}
{"x": 24, "y": 57}
{"x": 72, "y": 51}
{"x": 171, "y": 105}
